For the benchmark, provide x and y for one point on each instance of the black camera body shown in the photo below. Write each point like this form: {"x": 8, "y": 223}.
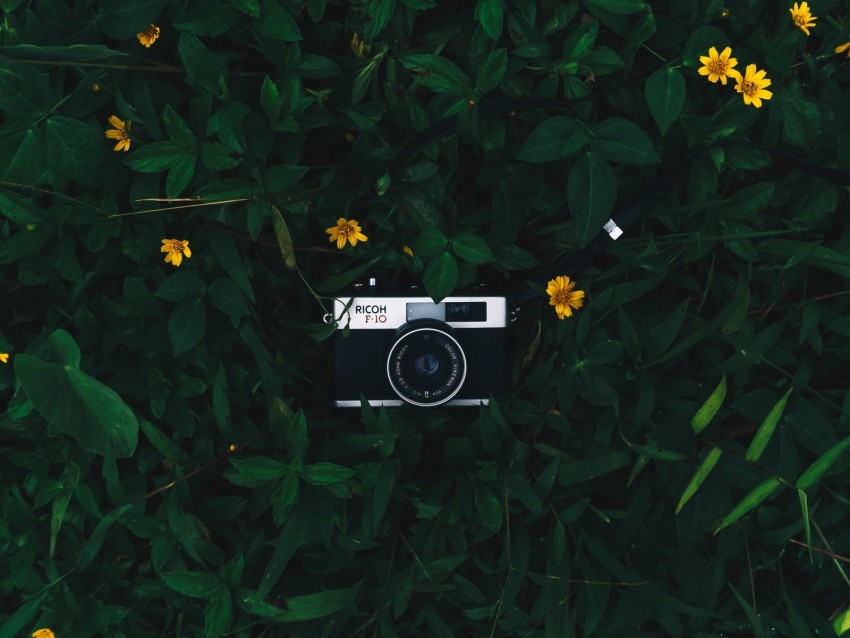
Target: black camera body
{"x": 398, "y": 346}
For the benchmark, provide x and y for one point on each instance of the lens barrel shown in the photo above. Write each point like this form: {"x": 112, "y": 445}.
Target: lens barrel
{"x": 426, "y": 365}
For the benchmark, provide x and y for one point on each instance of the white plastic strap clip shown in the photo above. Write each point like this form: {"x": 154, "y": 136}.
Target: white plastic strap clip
{"x": 613, "y": 230}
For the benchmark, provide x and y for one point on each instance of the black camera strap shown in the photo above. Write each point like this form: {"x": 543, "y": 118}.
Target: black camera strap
{"x": 615, "y": 227}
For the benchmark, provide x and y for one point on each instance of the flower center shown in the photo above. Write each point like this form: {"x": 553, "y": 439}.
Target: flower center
{"x": 178, "y": 247}
{"x": 750, "y": 88}
{"x": 563, "y": 297}
{"x": 718, "y": 66}
{"x": 346, "y": 230}
{"x": 800, "y": 19}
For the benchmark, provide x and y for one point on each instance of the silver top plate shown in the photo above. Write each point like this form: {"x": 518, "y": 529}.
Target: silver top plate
{"x": 384, "y": 313}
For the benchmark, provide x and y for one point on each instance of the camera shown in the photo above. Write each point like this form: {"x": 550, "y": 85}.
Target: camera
{"x": 397, "y": 346}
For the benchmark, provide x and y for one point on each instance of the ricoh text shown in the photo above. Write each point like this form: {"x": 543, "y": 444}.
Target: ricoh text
{"x": 369, "y": 310}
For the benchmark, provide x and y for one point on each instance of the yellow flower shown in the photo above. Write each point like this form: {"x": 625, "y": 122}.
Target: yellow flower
{"x": 120, "y": 133}
{"x": 4, "y": 357}
{"x": 753, "y": 86}
{"x": 43, "y": 633}
{"x": 148, "y": 36}
{"x": 408, "y": 251}
{"x": 563, "y": 297}
{"x": 718, "y": 67}
{"x": 176, "y": 249}
{"x": 345, "y": 230}
{"x": 841, "y": 48}
{"x": 802, "y": 16}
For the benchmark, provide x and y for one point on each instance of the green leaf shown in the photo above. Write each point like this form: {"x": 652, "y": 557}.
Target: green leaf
{"x": 555, "y": 138}
{"x": 755, "y": 497}
{"x": 209, "y": 19}
{"x": 665, "y": 96}
{"x": 751, "y": 200}
{"x": 217, "y": 615}
{"x": 384, "y": 483}
{"x": 619, "y": 140}
{"x": 619, "y": 7}
{"x": 154, "y": 157}
{"x": 583, "y": 470}
{"x": 711, "y": 406}
{"x": 225, "y": 250}
{"x": 699, "y": 477}
{"x": 472, "y": 248}
{"x": 25, "y": 164}
{"x": 248, "y": 7}
{"x": 69, "y": 145}
{"x": 187, "y": 325}
{"x": 281, "y": 179}
{"x": 69, "y": 480}
{"x": 284, "y": 239}
{"x": 270, "y": 100}
{"x": 23, "y": 616}
{"x": 488, "y": 508}
{"x": 218, "y": 157}
{"x": 177, "y": 129}
{"x": 491, "y": 71}
{"x": 260, "y": 468}
{"x": 121, "y": 20}
{"x": 195, "y": 584}
{"x": 335, "y": 282}
{"x": 291, "y": 537}
{"x": 702, "y": 39}
{"x": 87, "y": 553}
{"x": 203, "y": 67}
{"x": 841, "y": 623}
{"x": 299, "y": 608}
{"x": 164, "y": 445}
{"x": 591, "y": 193}
{"x": 297, "y": 440}
{"x": 808, "y": 253}
{"x": 275, "y": 22}
{"x": 766, "y": 429}
{"x": 490, "y": 13}
{"x": 225, "y": 295}
{"x": 431, "y": 241}
{"x": 180, "y": 174}
{"x": 807, "y": 523}
{"x": 20, "y": 209}
{"x": 181, "y": 286}
{"x": 379, "y": 12}
{"x": 438, "y": 74}
{"x": 440, "y": 277}
{"x": 78, "y": 405}
{"x": 326, "y": 473}
{"x": 817, "y": 469}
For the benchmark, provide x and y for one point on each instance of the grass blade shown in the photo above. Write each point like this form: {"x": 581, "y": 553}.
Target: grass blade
{"x": 758, "y": 494}
{"x": 706, "y": 413}
{"x": 819, "y": 467}
{"x": 807, "y": 524}
{"x": 767, "y": 427}
{"x": 701, "y": 474}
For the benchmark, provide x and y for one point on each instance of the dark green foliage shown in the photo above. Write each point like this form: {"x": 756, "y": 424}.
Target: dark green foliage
{"x": 670, "y": 461}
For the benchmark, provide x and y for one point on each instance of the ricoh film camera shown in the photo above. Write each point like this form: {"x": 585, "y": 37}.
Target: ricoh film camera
{"x": 398, "y": 346}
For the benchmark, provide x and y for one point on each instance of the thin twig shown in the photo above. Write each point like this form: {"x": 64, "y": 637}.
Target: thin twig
{"x": 170, "y": 208}
{"x": 826, "y": 553}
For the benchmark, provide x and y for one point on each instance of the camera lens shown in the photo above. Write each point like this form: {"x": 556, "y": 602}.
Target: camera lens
{"x": 426, "y": 365}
